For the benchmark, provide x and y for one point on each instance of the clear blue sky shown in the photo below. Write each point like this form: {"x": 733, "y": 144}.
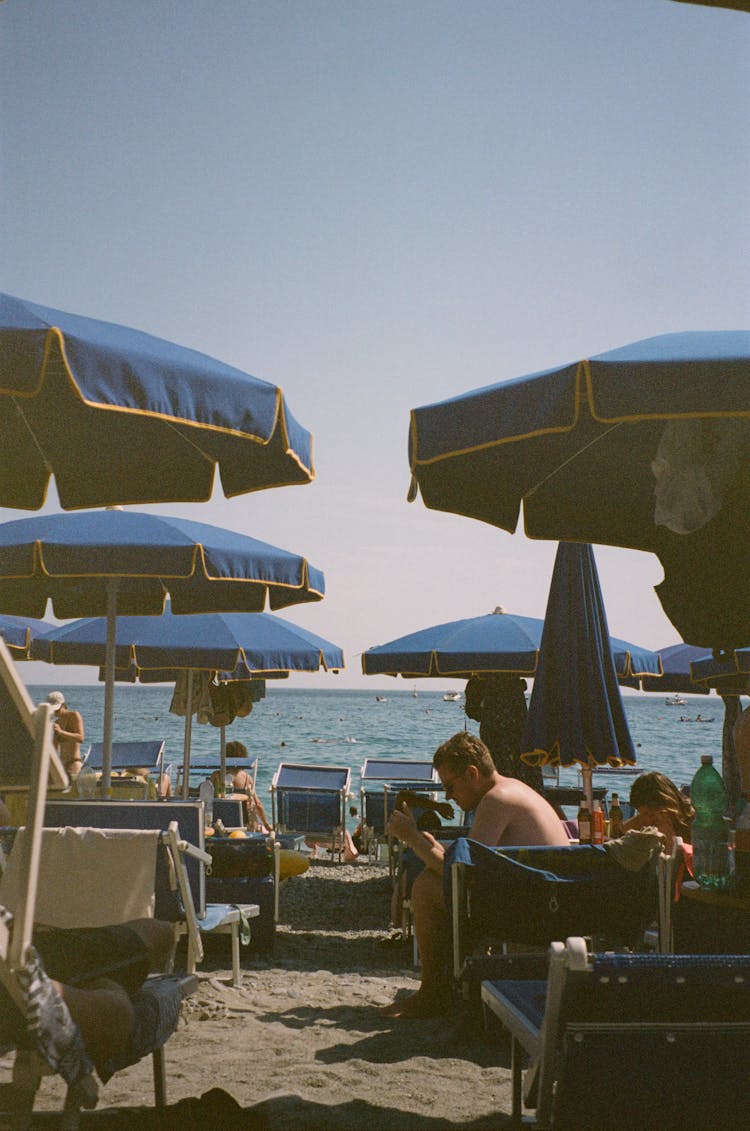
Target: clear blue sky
{"x": 379, "y": 205}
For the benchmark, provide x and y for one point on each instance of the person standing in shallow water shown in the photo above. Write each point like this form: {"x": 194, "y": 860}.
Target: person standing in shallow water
{"x": 506, "y": 811}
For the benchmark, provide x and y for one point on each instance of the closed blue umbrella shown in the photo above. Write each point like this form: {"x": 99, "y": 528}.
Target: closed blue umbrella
{"x": 119, "y": 416}
{"x": 495, "y": 643}
{"x": 121, "y": 561}
{"x": 239, "y": 645}
{"x": 647, "y": 447}
{"x": 576, "y": 716}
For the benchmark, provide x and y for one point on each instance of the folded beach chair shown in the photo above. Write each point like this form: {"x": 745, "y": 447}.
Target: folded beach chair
{"x": 311, "y": 801}
{"x": 631, "y": 1041}
{"x": 531, "y": 896}
{"x": 34, "y": 1020}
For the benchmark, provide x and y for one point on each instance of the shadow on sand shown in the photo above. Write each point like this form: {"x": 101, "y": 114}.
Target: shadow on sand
{"x": 217, "y": 1109}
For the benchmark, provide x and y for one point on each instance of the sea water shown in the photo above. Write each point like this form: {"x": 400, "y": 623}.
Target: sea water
{"x": 344, "y": 727}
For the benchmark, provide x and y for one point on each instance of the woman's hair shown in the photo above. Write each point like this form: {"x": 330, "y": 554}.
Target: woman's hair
{"x": 236, "y": 750}
{"x": 659, "y": 792}
{"x": 464, "y": 750}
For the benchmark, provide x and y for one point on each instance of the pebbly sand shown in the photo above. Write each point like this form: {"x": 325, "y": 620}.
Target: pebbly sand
{"x": 302, "y": 1044}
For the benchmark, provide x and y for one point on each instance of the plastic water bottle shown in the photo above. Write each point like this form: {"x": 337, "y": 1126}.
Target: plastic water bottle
{"x": 710, "y": 834}
{"x": 206, "y": 795}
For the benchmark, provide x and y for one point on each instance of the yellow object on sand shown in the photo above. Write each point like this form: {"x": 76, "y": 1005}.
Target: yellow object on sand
{"x": 292, "y": 863}
{"x": 238, "y": 834}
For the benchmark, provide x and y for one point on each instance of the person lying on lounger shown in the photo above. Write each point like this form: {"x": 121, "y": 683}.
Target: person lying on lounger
{"x": 96, "y": 971}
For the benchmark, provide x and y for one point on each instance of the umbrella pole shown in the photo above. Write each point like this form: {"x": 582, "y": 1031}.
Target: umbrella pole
{"x": 109, "y": 685}
{"x": 223, "y": 752}
{"x": 188, "y": 735}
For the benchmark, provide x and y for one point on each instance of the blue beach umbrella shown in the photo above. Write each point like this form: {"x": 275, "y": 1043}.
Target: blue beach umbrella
{"x": 499, "y": 642}
{"x": 114, "y": 561}
{"x": 119, "y": 416}
{"x": 732, "y": 670}
{"x": 576, "y": 716}
{"x": 646, "y": 447}
{"x": 233, "y": 643}
{"x": 239, "y": 646}
{"x": 676, "y": 661}
{"x": 18, "y": 633}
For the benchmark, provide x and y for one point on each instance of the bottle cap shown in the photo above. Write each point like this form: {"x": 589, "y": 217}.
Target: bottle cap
{"x": 707, "y": 759}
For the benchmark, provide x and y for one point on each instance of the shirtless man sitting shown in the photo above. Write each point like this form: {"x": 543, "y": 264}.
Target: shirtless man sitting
{"x": 67, "y": 733}
{"x": 506, "y": 811}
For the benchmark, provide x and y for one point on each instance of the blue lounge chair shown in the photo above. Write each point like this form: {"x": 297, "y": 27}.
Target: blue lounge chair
{"x": 128, "y": 755}
{"x": 534, "y": 895}
{"x": 213, "y": 918}
{"x": 380, "y": 780}
{"x": 631, "y": 1041}
{"x": 311, "y": 801}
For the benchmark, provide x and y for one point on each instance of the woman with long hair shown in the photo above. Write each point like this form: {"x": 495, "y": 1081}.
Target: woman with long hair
{"x": 660, "y": 804}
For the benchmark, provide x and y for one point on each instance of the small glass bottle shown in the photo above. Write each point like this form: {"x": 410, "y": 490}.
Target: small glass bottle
{"x": 615, "y": 818}
{"x": 584, "y": 823}
{"x": 597, "y": 824}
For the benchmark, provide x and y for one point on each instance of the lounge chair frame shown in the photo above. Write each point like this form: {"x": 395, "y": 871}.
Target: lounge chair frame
{"x": 310, "y": 801}
{"x": 627, "y": 1040}
{"x": 29, "y": 762}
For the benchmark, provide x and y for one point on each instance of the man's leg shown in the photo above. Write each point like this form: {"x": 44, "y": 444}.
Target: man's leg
{"x": 103, "y": 1013}
{"x": 431, "y": 928}
{"x": 158, "y": 938}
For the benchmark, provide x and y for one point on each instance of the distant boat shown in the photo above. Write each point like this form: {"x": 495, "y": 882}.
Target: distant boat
{"x": 381, "y": 699}
{"x": 452, "y": 697}
{"x": 414, "y": 692}
{"x": 676, "y": 700}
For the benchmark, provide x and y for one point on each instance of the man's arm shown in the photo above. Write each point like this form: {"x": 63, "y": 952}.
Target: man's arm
{"x": 403, "y": 826}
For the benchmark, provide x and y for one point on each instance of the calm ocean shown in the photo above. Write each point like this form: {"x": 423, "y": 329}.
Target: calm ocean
{"x": 343, "y": 728}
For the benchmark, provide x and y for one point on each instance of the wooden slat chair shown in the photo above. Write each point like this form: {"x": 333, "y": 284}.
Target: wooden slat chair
{"x": 35, "y": 1020}
{"x": 627, "y": 1040}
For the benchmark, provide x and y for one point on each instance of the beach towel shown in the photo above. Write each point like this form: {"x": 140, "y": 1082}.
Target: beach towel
{"x": 87, "y": 877}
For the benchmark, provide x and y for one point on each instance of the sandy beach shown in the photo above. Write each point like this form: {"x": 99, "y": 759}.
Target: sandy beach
{"x": 303, "y": 1044}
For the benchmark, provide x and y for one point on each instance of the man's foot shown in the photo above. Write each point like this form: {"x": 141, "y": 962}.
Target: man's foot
{"x": 422, "y": 1004}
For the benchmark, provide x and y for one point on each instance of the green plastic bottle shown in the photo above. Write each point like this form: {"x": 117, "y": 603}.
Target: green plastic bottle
{"x": 710, "y": 833}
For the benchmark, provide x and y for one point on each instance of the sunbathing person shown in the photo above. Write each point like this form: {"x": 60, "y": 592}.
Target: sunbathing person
{"x": 96, "y": 971}
{"x": 506, "y": 811}
{"x": 242, "y": 786}
{"x": 67, "y": 732}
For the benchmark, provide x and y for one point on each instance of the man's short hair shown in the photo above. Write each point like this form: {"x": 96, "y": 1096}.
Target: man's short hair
{"x": 56, "y": 700}
{"x": 461, "y": 751}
